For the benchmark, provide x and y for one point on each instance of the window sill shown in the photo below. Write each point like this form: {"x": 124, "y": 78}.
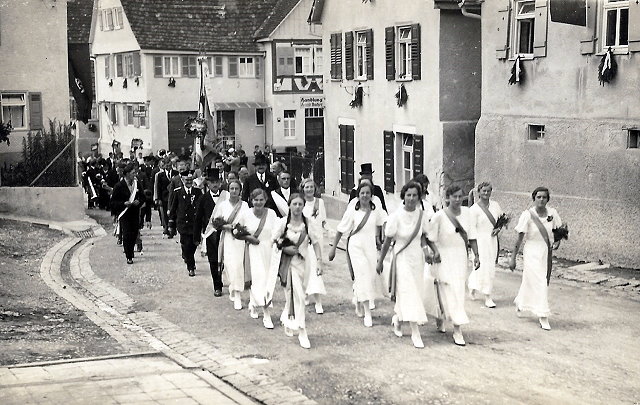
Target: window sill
{"x": 536, "y": 141}
{"x": 404, "y": 80}
{"x": 525, "y": 56}
{"x": 616, "y": 51}
{"x": 360, "y": 79}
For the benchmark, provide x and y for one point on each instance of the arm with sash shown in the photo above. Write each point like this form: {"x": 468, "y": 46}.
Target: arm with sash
{"x": 132, "y": 197}
{"x": 393, "y": 274}
{"x": 547, "y": 241}
{"x": 355, "y": 231}
{"x": 493, "y": 221}
{"x": 247, "y": 261}
{"x": 232, "y": 217}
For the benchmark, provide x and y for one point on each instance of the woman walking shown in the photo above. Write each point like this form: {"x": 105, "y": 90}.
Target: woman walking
{"x": 484, "y": 214}
{"x": 536, "y": 226}
{"x": 231, "y": 250}
{"x": 316, "y": 216}
{"x": 259, "y": 222}
{"x": 363, "y": 225}
{"x": 452, "y": 231}
{"x": 297, "y": 254}
{"x": 407, "y": 230}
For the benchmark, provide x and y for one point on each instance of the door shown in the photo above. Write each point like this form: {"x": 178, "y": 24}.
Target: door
{"x": 176, "y": 131}
{"x": 314, "y": 146}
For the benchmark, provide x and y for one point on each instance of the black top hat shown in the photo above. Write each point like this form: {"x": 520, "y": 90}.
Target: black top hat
{"x": 260, "y": 160}
{"x": 213, "y": 174}
{"x": 366, "y": 168}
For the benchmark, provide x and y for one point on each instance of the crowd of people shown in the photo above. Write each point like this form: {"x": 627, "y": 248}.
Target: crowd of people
{"x": 260, "y": 228}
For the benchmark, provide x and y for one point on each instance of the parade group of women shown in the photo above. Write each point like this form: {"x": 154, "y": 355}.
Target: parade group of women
{"x": 427, "y": 272}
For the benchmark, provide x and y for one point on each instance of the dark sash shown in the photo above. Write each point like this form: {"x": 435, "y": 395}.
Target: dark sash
{"x": 316, "y": 206}
{"x": 393, "y": 274}
{"x": 247, "y": 260}
{"x": 493, "y": 222}
{"x": 285, "y": 273}
{"x": 459, "y": 228}
{"x": 232, "y": 217}
{"x": 545, "y": 236}
{"x": 356, "y": 230}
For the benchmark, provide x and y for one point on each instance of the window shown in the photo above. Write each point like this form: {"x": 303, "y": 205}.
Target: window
{"x": 289, "y": 123}
{"x": 633, "y": 138}
{"x": 111, "y": 19}
{"x": 407, "y": 157}
{"x": 404, "y": 53}
{"x": 118, "y": 18}
{"x": 615, "y": 24}
{"x": 525, "y": 13}
{"x": 128, "y": 64}
{"x": 217, "y": 66}
{"x": 318, "y": 60}
{"x": 107, "y": 66}
{"x": 361, "y": 55}
{"x": 313, "y": 112}
{"x": 303, "y": 61}
{"x": 246, "y": 68}
{"x": 259, "y": 117}
{"x": 107, "y": 19}
{"x": 128, "y": 116}
{"x": 189, "y": 66}
{"x": 112, "y": 113}
{"x": 142, "y": 116}
{"x": 14, "y": 109}
{"x": 170, "y": 66}
{"x": 233, "y": 66}
{"x": 535, "y": 132}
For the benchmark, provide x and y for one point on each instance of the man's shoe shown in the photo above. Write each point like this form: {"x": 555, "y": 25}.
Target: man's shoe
{"x": 217, "y": 293}
{"x": 129, "y": 261}
{"x": 192, "y": 272}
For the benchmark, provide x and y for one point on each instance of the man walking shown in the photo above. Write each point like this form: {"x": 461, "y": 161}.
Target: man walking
{"x": 161, "y": 191}
{"x": 366, "y": 172}
{"x": 182, "y": 212}
{"x": 279, "y": 201}
{"x": 260, "y": 179}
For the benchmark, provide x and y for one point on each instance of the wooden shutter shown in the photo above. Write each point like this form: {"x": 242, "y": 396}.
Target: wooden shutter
{"x": 258, "y": 66}
{"x": 35, "y": 111}
{"x": 369, "y": 37}
{"x": 418, "y": 155}
{"x": 416, "y": 52}
{"x": 389, "y": 168}
{"x": 334, "y": 56}
{"x": 136, "y": 64}
{"x": 339, "y": 55}
{"x": 233, "y": 66}
{"x": 119, "y": 17}
{"x": 390, "y": 52}
{"x": 157, "y": 66}
{"x": 346, "y": 158}
{"x": 588, "y": 42}
{"x": 350, "y": 157}
{"x": 348, "y": 54}
{"x": 502, "y": 26}
{"x": 285, "y": 55}
{"x": 634, "y": 26}
{"x": 107, "y": 66}
{"x": 540, "y": 29}
{"x": 119, "y": 72}
{"x": 100, "y": 21}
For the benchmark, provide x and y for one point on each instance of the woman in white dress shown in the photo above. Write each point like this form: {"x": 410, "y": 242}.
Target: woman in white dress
{"x": 407, "y": 229}
{"x": 231, "y": 250}
{"x": 296, "y": 254}
{"x": 363, "y": 225}
{"x": 536, "y": 226}
{"x": 259, "y": 222}
{"x": 484, "y": 213}
{"x": 451, "y": 231}
{"x": 316, "y": 216}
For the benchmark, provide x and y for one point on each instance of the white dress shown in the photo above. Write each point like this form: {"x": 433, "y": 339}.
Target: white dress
{"x": 260, "y": 257}
{"x": 452, "y": 270}
{"x": 409, "y": 264}
{"x": 533, "y": 293}
{"x": 362, "y": 251}
{"x": 482, "y": 279}
{"x": 233, "y": 248}
{"x": 315, "y": 284}
{"x": 301, "y": 265}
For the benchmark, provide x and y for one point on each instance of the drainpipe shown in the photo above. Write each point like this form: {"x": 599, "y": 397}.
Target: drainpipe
{"x": 466, "y": 13}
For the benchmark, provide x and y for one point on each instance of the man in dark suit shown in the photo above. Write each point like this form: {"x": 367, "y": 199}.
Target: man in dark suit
{"x": 126, "y": 200}
{"x": 182, "y": 214}
{"x": 260, "y": 179}
{"x": 203, "y": 228}
{"x": 176, "y": 181}
{"x": 279, "y": 197}
{"x": 161, "y": 191}
{"x": 366, "y": 172}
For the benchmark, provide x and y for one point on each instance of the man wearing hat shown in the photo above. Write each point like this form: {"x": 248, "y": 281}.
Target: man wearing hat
{"x": 161, "y": 191}
{"x": 203, "y": 228}
{"x": 260, "y": 179}
{"x": 182, "y": 213}
{"x": 366, "y": 172}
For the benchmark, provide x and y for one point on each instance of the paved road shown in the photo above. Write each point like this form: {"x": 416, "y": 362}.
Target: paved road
{"x": 590, "y": 356}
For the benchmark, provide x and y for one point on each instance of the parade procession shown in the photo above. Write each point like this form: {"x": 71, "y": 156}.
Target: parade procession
{"x": 339, "y": 202}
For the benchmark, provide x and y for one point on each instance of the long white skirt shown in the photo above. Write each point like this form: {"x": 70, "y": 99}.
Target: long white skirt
{"x": 482, "y": 279}
{"x": 233, "y": 262}
{"x": 261, "y": 285}
{"x": 409, "y": 286}
{"x": 533, "y": 293}
{"x": 298, "y": 269}
{"x": 451, "y": 274}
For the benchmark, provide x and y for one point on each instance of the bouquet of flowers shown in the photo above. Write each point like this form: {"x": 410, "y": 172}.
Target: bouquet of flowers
{"x": 218, "y": 223}
{"x": 240, "y": 231}
{"x": 283, "y": 242}
{"x": 502, "y": 221}
{"x": 561, "y": 232}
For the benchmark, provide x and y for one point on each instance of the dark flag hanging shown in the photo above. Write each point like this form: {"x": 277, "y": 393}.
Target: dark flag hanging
{"x": 80, "y": 94}
{"x": 572, "y": 12}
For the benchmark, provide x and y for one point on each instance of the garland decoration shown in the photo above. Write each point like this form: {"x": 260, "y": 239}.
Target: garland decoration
{"x": 517, "y": 72}
{"x": 608, "y": 68}
{"x": 401, "y": 95}
{"x": 358, "y": 93}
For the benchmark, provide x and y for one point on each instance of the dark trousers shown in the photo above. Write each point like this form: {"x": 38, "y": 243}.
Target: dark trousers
{"x": 212, "y": 254}
{"x": 129, "y": 234}
{"x": 162, "y": 213}
{"x": 188, "y": 250}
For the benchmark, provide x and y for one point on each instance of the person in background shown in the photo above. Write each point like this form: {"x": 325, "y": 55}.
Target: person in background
{"x": 244, "y": 159}
{"x": 182, "y": 213}
{"x": 161, "y": 192}
{"x": 366, "y": 172}
{"x": 279, "y": 198}
{"x": 232, "y": 160}
{"x": 243, "y": 173}
{"x": 260, "y": 179}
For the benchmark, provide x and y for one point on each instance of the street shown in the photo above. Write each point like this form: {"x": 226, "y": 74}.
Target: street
{"x": 590, "y": 356}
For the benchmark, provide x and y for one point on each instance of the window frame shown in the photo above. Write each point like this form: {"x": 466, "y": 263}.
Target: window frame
{"x": 23, "y": 104}
{"x": 540, "y": 131}
{"x": 171, "y": 73}
{"x": 608, "y": 5}
{"x": 246, "y": 67}
{"x": 633, "y": 138}
{"x": 107, "y": 19}
{"x": 216, "y": 65}
{"x": 128, "y": 118}
{"x": 191, "y": 68}
{"x": 297, "y": 53}
{"x": 235, "y": 62}
{"x": 289, "y": 124}
{"x": 406, "y": 44}
{"x": 360, "y": 56}
{"x": 261, "y": 110}
{"x": 515, "y": 29}
{"x": 407, "y": 148}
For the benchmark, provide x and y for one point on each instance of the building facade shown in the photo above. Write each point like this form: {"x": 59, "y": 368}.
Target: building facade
{"x": 560, "y": 126}
{"x": 402, "y": 87}
{"x": 33, "y": 84}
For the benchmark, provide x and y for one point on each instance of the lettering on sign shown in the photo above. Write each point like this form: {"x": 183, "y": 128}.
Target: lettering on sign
{"x": 140, "y": 113}
{"x": 312, "y": 102}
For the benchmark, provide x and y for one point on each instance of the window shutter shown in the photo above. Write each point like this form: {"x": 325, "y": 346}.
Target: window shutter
{"x": 418, "y": 155}
{"x": 258, "y": 67}
{"x": 110, "y": 18}
{"x": 369, "y": 36}
{"x": 390, "y": 52}
{"x": 185, "y": 66}
{"x": 634, "y": 26}
{"x": 348, "y": 54}
{"x": 350, "y": 157}
{"x": 233, "y": 66}
{"x": 285, "y": 55}
{"x": 100, "y": 21}
{"x": 107, "y": 66}
{"x": 502, "y": 25}
{"x": 119, "y": 65}
{"x": 540, "y": 29}
{"x": 157, "y": 66}
{"x": 343, "y": 158}
{"x": 588, "y": 43}
{"x": 339, "y": 56}
{"x": 416, "y": 52}
{"x": 389, "y": 178}
{"x": 35, "y": 111}
{"x": 136, "y": 64}
{"x": 119, "y": 17}
{"x": 333, "y": 40}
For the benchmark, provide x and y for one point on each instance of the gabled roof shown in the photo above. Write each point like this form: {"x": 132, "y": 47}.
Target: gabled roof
{"x": 275, "y": 17}
{"x": 194, "y": 25}
{"x": 79, "y": 21}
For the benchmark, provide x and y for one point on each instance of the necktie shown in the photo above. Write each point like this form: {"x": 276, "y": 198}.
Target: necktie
{"x": 261, "y": 178}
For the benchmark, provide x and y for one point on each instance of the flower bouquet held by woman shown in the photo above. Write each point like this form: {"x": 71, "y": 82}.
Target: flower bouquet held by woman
{"x": 218, "y": 223}
{"x": 502, "y": 221}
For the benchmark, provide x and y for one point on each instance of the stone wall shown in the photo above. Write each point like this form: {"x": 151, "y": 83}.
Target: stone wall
{"x": 49, "y": 203}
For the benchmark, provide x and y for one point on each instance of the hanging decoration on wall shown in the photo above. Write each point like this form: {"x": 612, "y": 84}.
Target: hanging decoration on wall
{"x": 517, "y": 72}
{"x": 172, "y": 82}
{"x": 137, "y": 80}
{"x": 110, "y": 82}
{"x": 356, "y": 100}
{"x": 401, "y": 95}
{"x": 608, "y": 68}
{"x": 124, "y": 83}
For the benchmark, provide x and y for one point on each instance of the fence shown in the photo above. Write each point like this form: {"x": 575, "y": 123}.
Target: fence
{"x": 304, "y": 166}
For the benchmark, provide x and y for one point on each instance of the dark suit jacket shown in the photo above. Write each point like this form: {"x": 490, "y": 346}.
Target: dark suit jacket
{"x": 377, "y": 191}
{"x": 252, "y": 182}
{"x": 131, "y": 219}
{"x": 203, "y": 215}
{"x": 162, "y": 185}
{"x": 174, "y": 183}
{"x": 182, "y": 211}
